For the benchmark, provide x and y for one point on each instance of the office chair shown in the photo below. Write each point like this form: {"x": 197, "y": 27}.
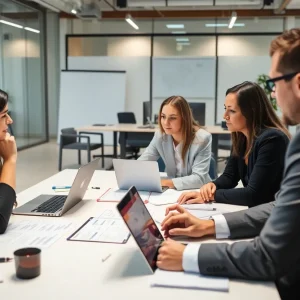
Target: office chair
{"x": 224, "y": 143}
{"x": 69, "y": 139}
{"x": 198, "y": 110}
{"x": 134, "y": 140}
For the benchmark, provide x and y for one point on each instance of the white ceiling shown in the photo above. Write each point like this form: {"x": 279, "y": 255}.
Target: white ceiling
{"x": 109, "y": 5}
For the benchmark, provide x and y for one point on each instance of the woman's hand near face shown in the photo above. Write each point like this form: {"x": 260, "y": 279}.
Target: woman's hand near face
{"x": 8, "y": 148}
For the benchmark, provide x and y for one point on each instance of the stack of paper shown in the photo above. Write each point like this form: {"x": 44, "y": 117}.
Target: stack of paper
{"x": 189, "y": 281}
{"x": 35, "y": 233}
{"x": 168, "y": 197}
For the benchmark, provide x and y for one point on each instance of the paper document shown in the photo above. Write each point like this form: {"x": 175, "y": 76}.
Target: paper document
{"x": 205, "y": 214}
{"x": 34, "y": 233}
{"x": 116, "y": 195}
{"x": 168, "y": 197}
{"x": 109, "y": 227}
{"x": 188, "y": 281}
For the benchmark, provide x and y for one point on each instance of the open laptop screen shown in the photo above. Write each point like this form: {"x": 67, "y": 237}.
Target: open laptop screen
{"x": 141, "y": 225}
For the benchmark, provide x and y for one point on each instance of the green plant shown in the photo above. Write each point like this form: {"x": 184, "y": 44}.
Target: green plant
{"x": 261, "y": 80}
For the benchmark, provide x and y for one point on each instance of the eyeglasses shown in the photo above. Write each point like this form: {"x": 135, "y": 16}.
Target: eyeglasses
{"x": 270, "y": 83}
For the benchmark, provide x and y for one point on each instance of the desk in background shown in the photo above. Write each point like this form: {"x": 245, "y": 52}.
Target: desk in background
{"x": 214, "y": 130}
{"x": 75, "y": 271}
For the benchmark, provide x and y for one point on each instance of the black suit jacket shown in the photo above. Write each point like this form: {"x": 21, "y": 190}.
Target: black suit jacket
{"x": 264, "y": 171}
{"x": 7, "y": 200}
{"x": 275, "y": 253}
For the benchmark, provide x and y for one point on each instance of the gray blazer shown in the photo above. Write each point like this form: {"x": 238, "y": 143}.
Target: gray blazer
{"x": 196, "y": 163}
{"x": 275, "y": 253}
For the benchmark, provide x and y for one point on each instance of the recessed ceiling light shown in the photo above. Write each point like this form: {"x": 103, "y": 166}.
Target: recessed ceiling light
{"x": 175, "y": 26}
{"x": 178, "y": 32}
{"x": 182, "y": 39}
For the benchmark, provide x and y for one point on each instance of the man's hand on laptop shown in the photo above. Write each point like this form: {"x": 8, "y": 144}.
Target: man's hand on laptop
{"x": 170, "y": 256}
{"x": 179, "y": 221}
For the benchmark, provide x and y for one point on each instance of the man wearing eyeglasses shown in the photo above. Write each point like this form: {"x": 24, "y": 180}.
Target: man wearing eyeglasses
{"x": 274, "y": 253}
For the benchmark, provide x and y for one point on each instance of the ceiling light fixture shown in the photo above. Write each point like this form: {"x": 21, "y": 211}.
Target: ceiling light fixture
{"x": 10, "y": 23}
{"x": 175, "y": 26}
{"x": 225, "y": 25}
{"x": 31, "y": 29}
{"x": 131, "y": 21}
{"x": 233, "y": 19}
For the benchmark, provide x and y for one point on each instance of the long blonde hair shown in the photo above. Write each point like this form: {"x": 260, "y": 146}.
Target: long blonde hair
{"x": 188, "y": 123}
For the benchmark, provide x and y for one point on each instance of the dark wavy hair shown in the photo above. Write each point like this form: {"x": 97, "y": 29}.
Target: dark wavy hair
{"x": 3, "y": 99}
{"x": 259, "y": 113}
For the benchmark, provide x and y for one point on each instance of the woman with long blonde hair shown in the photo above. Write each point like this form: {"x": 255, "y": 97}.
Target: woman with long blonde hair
{"x": 182, "y": 144}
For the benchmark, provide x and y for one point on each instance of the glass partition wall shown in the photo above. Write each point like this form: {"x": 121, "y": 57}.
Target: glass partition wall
{"x": 196, "y": 58}
{"x": 22, "y": 71}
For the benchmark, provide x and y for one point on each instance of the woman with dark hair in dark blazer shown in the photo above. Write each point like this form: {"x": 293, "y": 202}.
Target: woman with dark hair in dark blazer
{"x": 259, "y": 143}
{"x": 8, "y": 159}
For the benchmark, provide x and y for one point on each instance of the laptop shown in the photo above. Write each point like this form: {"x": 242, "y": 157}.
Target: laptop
{"x": 57, "y": 205}
{"x": 144, "y": 175}
{"x": 141, "y": 225}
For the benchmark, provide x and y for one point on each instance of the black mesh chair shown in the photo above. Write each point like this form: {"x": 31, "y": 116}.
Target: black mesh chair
{"x": 70, "y": 139}
{"x": 224, "y": 143}
{"x": 134, "y": 140}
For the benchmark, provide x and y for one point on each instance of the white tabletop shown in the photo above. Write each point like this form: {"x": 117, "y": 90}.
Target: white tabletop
{"x": 137, "y": 128}
{"x": 74, "y": 270}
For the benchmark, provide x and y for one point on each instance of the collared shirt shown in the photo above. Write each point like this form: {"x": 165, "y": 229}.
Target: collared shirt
{"x": 190, "y": 254}
{"x": 178, "y": 159}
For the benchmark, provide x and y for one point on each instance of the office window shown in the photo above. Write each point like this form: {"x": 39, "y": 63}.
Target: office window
{"x": 111, "y": 27}
{"x": 22, "y": 71}
{"x": 175, "y": 26}
{"x": 184, "y": 46}
{"x": 109, "y": 46}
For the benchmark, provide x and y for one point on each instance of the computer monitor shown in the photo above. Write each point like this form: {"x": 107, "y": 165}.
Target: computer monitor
{"x": 146, "y": 112}
{"x": 198, "y": 110}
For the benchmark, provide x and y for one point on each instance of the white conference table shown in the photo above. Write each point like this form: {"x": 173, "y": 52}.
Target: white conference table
{"x": 74, "y": 270}
{"x": 115, "y": 128}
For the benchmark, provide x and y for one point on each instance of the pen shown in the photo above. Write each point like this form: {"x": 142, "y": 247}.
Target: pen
{"x": 199, "y": 207}
{"x": 61, "y": 187}
{"x": 106, "y": 257}
{"x": 5, "y": 259}
{"x": 96, "y": 187}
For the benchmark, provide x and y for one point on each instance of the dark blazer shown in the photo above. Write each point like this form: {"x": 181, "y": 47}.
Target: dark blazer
{"x": 7, "y": 200}
{"x": 275, "y": 253}
{"x": 264, "y": 171}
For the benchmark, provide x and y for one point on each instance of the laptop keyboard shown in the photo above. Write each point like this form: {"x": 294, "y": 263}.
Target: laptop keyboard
{"x": 52, "y": 205}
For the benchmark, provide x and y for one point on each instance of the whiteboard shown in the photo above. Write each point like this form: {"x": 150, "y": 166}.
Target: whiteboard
{"x": 90, "y": 97}
{"x": 184, "y": 76}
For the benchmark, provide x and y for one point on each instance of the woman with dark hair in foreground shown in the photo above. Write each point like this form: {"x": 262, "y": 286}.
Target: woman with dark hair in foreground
{"x": 8, "y": 159}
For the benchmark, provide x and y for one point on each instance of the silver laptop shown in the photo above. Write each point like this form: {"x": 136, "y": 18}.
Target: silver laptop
{"x": 57, "y": 205}
{"x": 144, "y": 175}
{"x": 141, "y": 225}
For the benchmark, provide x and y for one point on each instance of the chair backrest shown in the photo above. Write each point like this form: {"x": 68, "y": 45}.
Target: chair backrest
{"x": 161, "y": 165}
{"x": 126, "y": 118}
{"x": 212, "y": 168}
{"x": 198, "y": 110}
{"x": 66, "y": 140}
{"x": 146, "y": 112}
